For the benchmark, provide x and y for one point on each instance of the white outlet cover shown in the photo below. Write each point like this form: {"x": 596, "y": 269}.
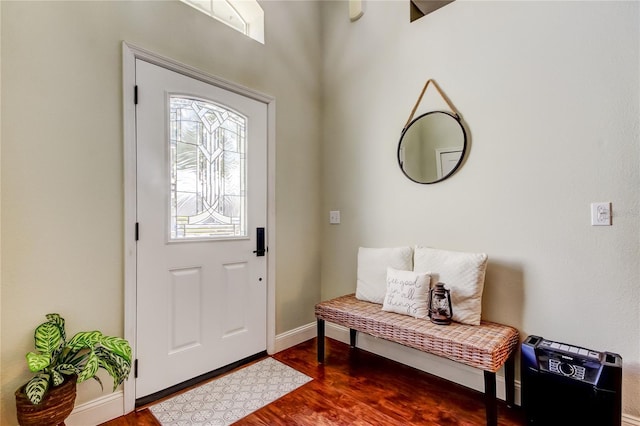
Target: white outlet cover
{"x": 334, "y": 217}
{"x": 601, "y": 214}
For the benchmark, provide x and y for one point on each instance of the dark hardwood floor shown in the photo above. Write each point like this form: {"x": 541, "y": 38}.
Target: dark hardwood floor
{"x": 355, "y": 387}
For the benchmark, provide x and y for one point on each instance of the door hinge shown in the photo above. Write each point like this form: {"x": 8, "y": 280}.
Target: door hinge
{"x": 135, "y": 95}
{"x": 137, "y": 231}
{"x": 135, "y": 369}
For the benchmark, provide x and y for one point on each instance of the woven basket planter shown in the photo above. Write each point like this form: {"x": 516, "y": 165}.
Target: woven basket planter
{"x": 54, "y": 408}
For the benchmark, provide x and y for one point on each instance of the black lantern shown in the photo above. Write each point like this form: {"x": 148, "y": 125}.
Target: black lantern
{"x": 440, "y": 310}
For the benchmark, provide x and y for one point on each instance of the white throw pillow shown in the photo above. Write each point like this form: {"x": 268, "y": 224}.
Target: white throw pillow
{"x": 371, "y": 283}
{"x": 462, "y": 273}
{"x": 407, "y": 293}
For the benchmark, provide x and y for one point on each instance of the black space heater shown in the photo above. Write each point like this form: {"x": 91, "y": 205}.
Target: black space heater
{"x": 569, "y": 385}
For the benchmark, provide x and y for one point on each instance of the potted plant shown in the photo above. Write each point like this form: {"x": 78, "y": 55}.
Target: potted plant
{"x": 48, "y": 398}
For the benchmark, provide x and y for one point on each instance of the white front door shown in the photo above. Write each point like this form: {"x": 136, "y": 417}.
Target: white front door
{"x": 201, "y": 196}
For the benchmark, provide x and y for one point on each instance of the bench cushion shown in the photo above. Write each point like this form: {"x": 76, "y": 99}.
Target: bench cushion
{"x": 486, "y": 346}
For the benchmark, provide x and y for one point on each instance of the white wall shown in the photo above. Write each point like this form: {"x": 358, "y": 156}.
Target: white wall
{"x": 550, "y": 94}
{"x": 62, "y": 156}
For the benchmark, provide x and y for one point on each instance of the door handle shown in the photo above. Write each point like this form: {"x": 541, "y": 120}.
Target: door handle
{"x": 260, "y": 250}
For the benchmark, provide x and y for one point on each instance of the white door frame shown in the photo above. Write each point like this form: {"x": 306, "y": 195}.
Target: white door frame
{"x": 129, "y": 55}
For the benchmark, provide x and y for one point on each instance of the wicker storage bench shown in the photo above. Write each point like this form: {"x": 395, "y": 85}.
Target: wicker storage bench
{"x": 487, "y": 346}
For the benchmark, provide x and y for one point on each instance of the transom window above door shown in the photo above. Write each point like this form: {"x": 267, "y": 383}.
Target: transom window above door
{"x": 245, "y": 16}
{"x": 208, "y": 170}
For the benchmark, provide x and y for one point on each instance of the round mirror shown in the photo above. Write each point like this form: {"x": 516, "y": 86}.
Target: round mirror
{"x": 432, "y": 147}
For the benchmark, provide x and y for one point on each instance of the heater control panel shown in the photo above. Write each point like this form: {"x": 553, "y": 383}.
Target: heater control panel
{"x": 571, "y": 361}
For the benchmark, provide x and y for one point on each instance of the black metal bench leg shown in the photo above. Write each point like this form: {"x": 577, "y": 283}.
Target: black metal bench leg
{"x": 491, "y": 404}
{"x": 352, "y": 337}
{"x": 509, "y": 380}
{"x": 320, "y": 341}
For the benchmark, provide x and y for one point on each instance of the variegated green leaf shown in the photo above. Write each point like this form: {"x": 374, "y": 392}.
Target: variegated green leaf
{"x": 48, "y": 337}
{"x": 117, "y": 367}
{"x": 97, "y": 379}
{"x": 75, "y": 358}
{"x": 108, "y": 367}
{"x": 84, "y": 339}
{"x": 37, "y": 362}
{"x": 59, "y": 321}
{"x": 67, "y": 369}
{"x": 122, "y": 365}
{"x": 37, "y": 387}
{"x": 90, "y": 368}
{"x": 117, "y": 345}
{"x": 58, "y": 379}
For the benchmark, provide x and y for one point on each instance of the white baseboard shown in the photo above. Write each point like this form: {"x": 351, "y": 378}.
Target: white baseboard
{"x": 97, "y": 411}
{"x": 629, "y": 420}
{"x": 109, "y": 407}
{"x": 293, "y": 337}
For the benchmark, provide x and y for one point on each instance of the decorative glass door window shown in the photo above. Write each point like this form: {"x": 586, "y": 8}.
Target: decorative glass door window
{"x": 208, "y": 175}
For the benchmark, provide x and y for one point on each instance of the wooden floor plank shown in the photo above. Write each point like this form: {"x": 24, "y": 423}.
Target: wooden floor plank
{"x": 355, "y": 387}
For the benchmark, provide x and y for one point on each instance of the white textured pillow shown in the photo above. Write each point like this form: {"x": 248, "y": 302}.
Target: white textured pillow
{"x": 371, "y": 285}
{"x": 462, "y": 273}
{"x": 407, "y": 293}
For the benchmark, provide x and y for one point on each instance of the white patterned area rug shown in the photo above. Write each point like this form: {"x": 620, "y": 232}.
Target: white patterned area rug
{"x": 229, "y": 398}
